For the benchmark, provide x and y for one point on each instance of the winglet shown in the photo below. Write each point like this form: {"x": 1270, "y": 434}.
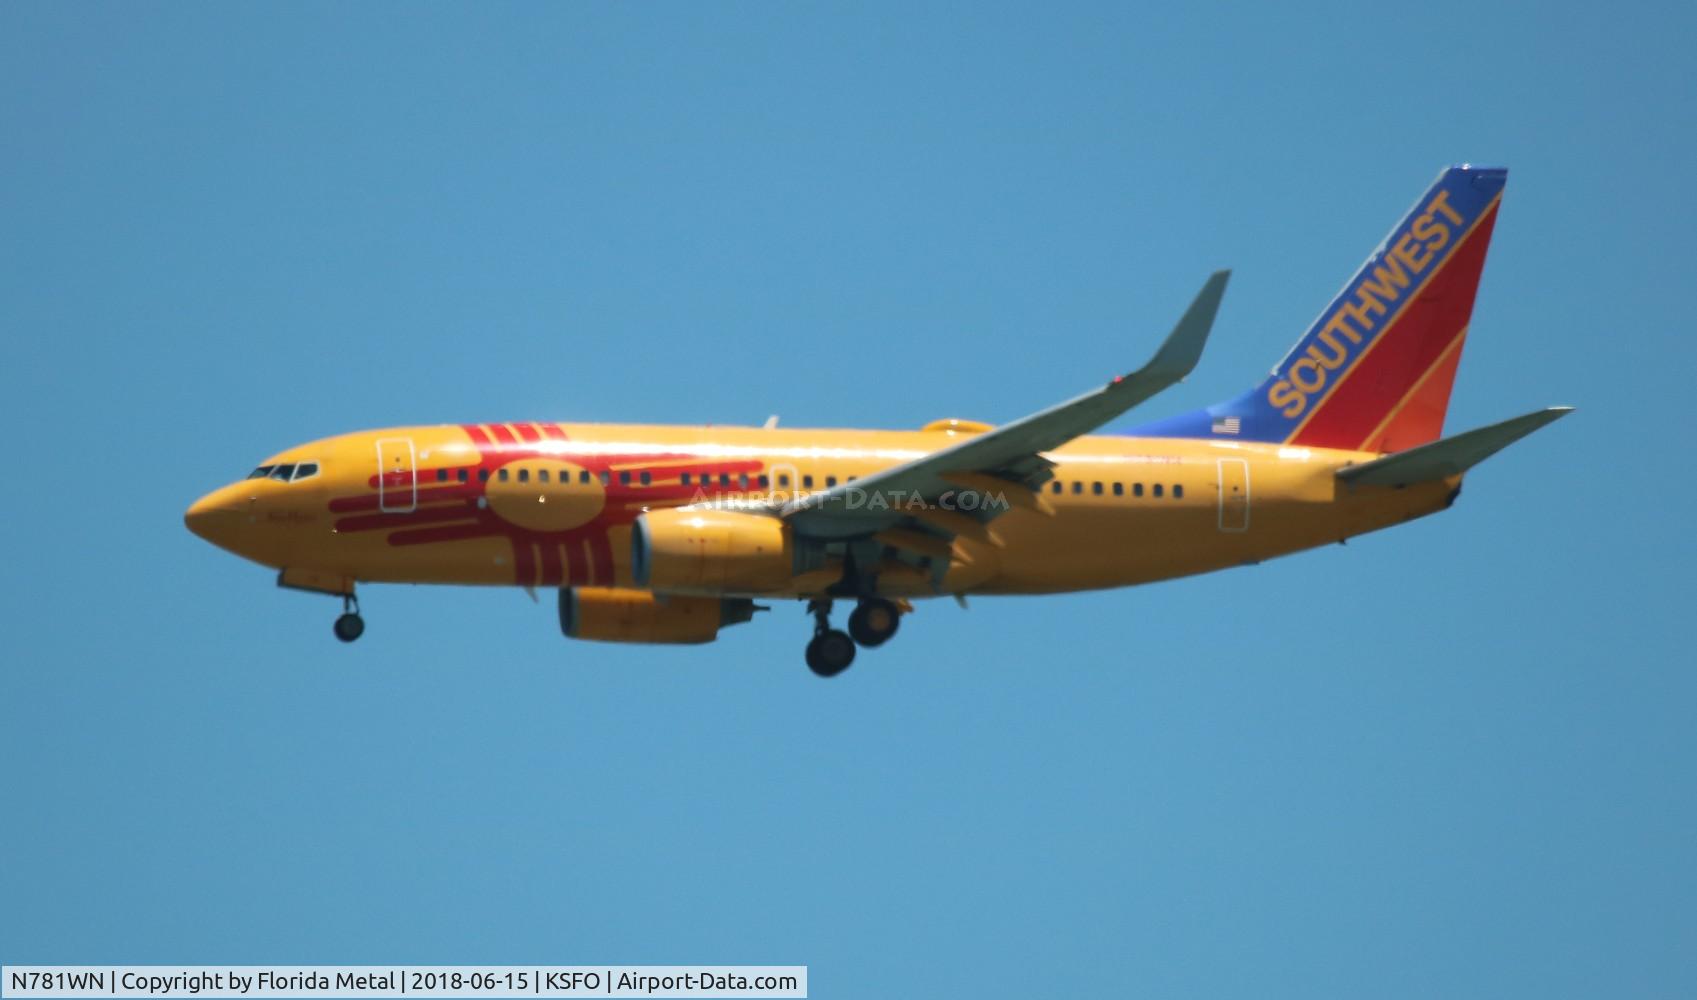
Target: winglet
{"x": 1183, "y": 347}
{"x": 1451, "y": 456}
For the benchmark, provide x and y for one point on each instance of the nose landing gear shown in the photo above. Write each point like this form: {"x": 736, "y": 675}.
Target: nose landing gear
{"x": 350, "y": 625}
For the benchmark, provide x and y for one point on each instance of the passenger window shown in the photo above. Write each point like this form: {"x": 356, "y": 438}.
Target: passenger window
{"x": 742, "y": 481}
{"x": 1077, "y": 487}
{"x": 460, "y": 475}
{"x": 1136, "y": 489}
{"x": 304, "y": 470}
{"x": 724, "y": 480}
{"x": 1178, "y": 491}
{"x": 783, "y": 480}
{"x": 606, "y": 477}
{"x": 1119, "y": 489}
{"x": 624, "y": 478}
{"x": 807, "y": 482}
{"x": 830, "y": 481}
{"x": 684, "y": 479}
{"x": 282, "y": 472}
{"x": 260, "y": 473}
{"x": 1096, "y": 488}
{"x": 1055, "y": 487}
{"x": 441, "y": 475}
{"x": 524, "y": 475}
{"x": 541, "y": 475}
{"x": 483, "y": 475}
{"x": 503, "y": 474}
{"x": 763, "y": 482}
{"x": 583, "y": 476}
{"x": 1157, "y": 489}
{"x": 646, "y": 479}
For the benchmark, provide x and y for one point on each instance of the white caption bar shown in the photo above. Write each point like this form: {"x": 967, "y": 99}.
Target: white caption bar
{"x": 372, "y": 981}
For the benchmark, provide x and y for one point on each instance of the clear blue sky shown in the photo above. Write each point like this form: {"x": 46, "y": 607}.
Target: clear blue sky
{"x": 1454, "y": 759}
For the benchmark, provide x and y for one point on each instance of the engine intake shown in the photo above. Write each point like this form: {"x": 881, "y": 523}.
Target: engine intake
{"x": 710, "y": 551}
{"x": 619, "y": 614}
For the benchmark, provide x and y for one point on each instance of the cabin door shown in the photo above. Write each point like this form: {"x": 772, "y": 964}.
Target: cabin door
{"x": 397, "y": 476}
{"x": 1234, "y": 494}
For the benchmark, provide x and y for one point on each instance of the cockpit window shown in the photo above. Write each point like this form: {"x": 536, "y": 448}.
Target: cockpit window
{"x": 291, "y": 472}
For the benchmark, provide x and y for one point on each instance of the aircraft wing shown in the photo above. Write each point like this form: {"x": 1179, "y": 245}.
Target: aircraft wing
{"x": 1008, "y": 458}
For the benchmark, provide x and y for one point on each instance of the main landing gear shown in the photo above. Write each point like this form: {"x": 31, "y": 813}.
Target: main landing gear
{"x": 350, "y": 626}
{"x": 831, "y": 650}
{"x": 872, "y": 623}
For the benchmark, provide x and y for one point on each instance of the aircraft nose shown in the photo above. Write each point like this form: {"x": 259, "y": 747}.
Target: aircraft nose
{"x": 216, "y": 516}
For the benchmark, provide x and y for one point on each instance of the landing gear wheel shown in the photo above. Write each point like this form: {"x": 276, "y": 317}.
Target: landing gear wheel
{"x": 830, "y": 653}
{"x": 349, "y": 627}
{"x": 874, "y": 621}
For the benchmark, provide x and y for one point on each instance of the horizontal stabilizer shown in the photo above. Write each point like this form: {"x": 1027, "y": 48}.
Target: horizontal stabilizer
{"x": 1451, "y": 456}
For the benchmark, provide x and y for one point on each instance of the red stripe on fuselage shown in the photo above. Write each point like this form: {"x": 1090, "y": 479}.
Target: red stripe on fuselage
{"x": 602, "y": 546}
{"x": 524, "y": 562}
{"x": 381, "y": 521}
{"x": 551, "y": 573}
{"x": 577, "y": 561}
{"x": 450, "y": 491}
{"x": 1404, "y": 351}
{"x": 445, "y": 533}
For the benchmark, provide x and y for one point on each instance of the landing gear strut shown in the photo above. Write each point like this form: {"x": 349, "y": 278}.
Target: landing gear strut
{"x": 831, "y": 650}
{"x": 350, "y": 626}
{"x": 874, "y": 621}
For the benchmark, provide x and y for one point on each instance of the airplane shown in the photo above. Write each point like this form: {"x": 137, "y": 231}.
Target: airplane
{"x": 668, "y": 534}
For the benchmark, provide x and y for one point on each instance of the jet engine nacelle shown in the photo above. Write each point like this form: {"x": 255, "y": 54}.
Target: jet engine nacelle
{"x": 619, "y": 614}
{"x": 711, "y": 551}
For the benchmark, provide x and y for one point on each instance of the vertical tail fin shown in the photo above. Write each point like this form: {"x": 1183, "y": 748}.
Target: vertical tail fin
{"x": 1374, "y": 371}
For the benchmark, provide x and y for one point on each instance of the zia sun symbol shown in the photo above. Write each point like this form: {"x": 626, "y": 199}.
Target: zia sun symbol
{"x": 556, "y": 506}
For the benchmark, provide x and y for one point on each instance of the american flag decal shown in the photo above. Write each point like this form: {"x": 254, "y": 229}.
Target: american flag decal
{"x": 1228, "y": 425}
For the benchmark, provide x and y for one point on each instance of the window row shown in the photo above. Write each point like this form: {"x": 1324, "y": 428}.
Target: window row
{"x": 741, "y": 481}
{"x": 1096, "y": 489}
{"x": 292, "y": 472}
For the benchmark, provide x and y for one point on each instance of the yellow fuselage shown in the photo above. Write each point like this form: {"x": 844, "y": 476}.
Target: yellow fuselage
{"x": 552, "y": 504}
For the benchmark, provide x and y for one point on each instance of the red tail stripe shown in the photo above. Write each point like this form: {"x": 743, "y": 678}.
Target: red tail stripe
{"x": 1403, "y": 352}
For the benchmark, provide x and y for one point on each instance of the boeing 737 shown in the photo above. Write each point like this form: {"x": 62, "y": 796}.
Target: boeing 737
{"x": 666, "y": 534}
